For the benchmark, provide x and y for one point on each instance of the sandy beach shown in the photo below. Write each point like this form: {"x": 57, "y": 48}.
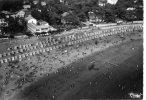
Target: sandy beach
{"x": 115, "y": 75}
{"x": 62, "y": 70}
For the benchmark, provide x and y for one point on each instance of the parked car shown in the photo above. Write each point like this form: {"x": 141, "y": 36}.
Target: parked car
{"x": 119, "y": 22}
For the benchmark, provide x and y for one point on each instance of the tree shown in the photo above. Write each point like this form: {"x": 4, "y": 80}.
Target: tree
{"x": 12, "y": 5}
{"x": 129, "y": 16}
{"x": 82, "y": 16}
{"x": 72, "y": 19}
{"x": 139, "y": 14}
{"x": 36, "y": 14}
{"x": 109, "y": 16}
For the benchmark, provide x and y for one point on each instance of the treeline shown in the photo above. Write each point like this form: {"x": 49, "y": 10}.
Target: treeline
{"x": 77, "y": 11}
{"x": 11, "y": 5}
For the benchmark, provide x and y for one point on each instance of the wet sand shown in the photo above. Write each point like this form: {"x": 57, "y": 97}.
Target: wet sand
{"x": 117, "y": 71}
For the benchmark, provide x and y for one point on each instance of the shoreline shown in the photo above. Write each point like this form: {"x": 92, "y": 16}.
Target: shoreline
{"x": 98, "y": 50}
{"x": 51, "y": 77}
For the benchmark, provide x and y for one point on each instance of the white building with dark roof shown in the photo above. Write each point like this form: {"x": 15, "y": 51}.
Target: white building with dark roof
{"x": 20, "y": 13}
{"x": 40, "y": 26}
{"x": 30, "y": 19}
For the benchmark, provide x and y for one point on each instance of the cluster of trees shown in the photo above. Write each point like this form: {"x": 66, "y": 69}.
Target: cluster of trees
{"x": 15, "y": 25}
{"x": 11, "y": 5}
{"x": 78, "y": 11}
{"x": 53, "y": 11}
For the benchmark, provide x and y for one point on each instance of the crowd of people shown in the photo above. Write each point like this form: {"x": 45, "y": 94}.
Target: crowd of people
{"x": 42, "y": 49}
{"x": 23, "y": 51}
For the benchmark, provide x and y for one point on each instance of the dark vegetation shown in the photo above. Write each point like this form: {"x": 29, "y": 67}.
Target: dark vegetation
{"x": 77, "y": 12}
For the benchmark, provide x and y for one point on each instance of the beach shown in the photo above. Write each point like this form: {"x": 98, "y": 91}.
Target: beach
{"x": 72, "y": 72}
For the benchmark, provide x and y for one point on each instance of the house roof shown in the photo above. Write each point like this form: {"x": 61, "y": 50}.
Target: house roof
{"x": 22, "y": 10}
{"x": 103, "y": 1}
{"x": 65, "y": 14}
{"x": 42, "y": 22}
{"x": 29, "y": 18}
{"x": 6, "y": 12}
{"x": 34, "y": 26}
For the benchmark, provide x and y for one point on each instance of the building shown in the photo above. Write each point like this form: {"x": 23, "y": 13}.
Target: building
{"x": 130, "y": 8}
{"x": 30, "y": 19}
{"x": 3, "y": 23}
{"x": 102, "y": 2}
{"x": 43, "y": 3}
{"x": 64, "y": 16}
{"x": 35, "y": 2}
{"x": 40, "y": 26}
{"x": 6, "y": 13}
{"x": 112, "y": 1}
{"x": 26, "y": 6}
{"x": 20, "y": 13}
{"x": 92, "y": 16}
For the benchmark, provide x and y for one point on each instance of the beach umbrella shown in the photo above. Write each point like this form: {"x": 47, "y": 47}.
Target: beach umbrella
{"x": 16, "y": 57}
{"x": 26, "y": 45}
{"x": 8, "y": 49}
{"x": 21, "y": 50}
{"x": 141, "y": 27}
{"x": 20, "y": 56}
{"x": 9, "y": 59}
{"x": 44, "y": 50}
{"x": 28, "y": 48}
{"x": 0, "y": 55}
{"x": 41, "y": 46}
{"x": 37, "y": 43}
{"x": 60, "y": 46}
{"x": 4, "y": 54}
{"x": 69, "y": 43}
{"x": 30, "y": 53}
{"x": 20, "y": 46}
{"x": 50, "y": 48}
{"x": 50, "y": 43}
{"x": 26, "y": 54}
{"x": 72, "y": 43}
{"x": 37, "y": 52}
{"x": 15, "y": 47}
{"x": 45, "y": 45}
{"x": 20, "y": 59}
{"x": 23, "y": 55}
{"x": 6, "y": 60}
{"x": 30, "y": 45}
{"x": 23, "y": 46}
{"x": 34, "y": 53}
{"x": 40, "y": 50}
{"x": 47, "y": 49}
{"x": 57, "y": 47}
{"x": 12, "y": 58}
{"x": 1, "y": 61}
{"x": 35, "y": 47}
